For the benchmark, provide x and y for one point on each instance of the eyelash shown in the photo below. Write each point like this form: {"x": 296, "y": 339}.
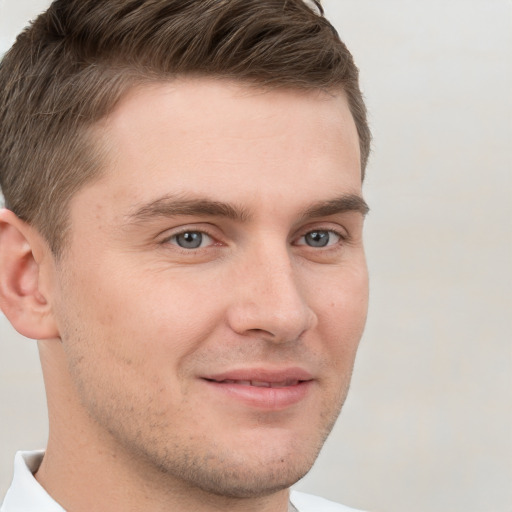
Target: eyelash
{"x": 343, "y": 237}
{"x": 202, "y": 231}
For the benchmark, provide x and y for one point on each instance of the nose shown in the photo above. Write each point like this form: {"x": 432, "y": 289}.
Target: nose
{"x": 269, "y": 300}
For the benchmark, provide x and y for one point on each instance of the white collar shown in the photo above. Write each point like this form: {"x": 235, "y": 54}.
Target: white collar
{"x": 25, "y": 493}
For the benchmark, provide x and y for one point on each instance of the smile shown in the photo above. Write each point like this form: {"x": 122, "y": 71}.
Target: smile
{"x": 261, "y": 389}
{"x": 259, "y": 383}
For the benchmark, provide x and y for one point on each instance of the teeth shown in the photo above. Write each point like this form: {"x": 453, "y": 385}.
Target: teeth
{"x": 262, "y": 384}
{"x": 284, "y": 384}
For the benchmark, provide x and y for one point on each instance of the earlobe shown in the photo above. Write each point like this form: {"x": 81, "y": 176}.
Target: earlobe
{"x": 22, "y": 298}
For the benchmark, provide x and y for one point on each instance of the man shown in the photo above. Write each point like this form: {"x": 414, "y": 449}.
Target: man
{"x": 183, "y": 235}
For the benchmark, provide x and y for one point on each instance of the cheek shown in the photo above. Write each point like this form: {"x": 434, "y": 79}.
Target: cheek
{"x": 342, "y": 315}
{"x": 344, "y": 297}
{"x": 148, "y": 322}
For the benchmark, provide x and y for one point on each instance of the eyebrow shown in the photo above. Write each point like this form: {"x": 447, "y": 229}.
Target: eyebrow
{"x": 173, "y": 206}
{"x": 345, "y": 203}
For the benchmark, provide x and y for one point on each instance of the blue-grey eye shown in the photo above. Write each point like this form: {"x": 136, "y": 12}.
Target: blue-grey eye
{"x": 190, "y": 239}
{"x": 320, "y": 238}
{"x": 317, "y": 238}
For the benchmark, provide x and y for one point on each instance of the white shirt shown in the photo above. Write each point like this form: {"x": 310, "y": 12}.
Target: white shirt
{"x": 26, "y": 495}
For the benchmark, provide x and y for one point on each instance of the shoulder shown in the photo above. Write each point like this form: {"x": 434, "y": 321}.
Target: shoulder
{"x": 308, "y": 503}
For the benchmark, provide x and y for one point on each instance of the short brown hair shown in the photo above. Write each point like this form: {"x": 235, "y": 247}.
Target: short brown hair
{"x": 73, "y": 64}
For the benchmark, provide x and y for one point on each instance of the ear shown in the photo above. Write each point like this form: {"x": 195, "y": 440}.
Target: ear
{"x": 25, "y": 260}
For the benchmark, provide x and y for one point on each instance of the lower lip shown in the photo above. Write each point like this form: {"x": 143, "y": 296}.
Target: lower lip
{"x": 262, "y": 397}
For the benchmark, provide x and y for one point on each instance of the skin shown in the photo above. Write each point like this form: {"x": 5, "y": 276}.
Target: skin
{"x": 138, "y": 334}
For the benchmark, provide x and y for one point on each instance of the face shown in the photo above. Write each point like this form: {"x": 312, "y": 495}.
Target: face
{"x": 214, "y": 290}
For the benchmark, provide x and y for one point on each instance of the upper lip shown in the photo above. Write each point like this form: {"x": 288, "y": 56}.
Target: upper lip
{"x": 262, "y": 375}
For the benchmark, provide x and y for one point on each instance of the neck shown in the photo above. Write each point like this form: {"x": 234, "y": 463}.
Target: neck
{"x": 86, "y": 470}
{"x": 81, "y": 478}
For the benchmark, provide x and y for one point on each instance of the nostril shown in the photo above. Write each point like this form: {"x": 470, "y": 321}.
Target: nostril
{"x": 261, "y": 332}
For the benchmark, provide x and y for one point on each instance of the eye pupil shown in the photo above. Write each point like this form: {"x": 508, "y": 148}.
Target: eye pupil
{"x": 189, "y": 239}
{"x": 317, "y": 238}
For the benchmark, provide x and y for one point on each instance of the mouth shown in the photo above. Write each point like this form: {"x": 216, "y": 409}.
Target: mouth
{"x": 261, "y": 389}
{"x": 259, "y": 383}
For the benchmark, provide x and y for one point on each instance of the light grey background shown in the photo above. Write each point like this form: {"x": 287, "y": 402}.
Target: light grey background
{"x": 428, "y": 424}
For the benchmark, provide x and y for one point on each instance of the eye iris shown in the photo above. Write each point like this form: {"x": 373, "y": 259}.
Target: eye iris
{"x": 317, "y": 238}
{"x": 189, "y": 240}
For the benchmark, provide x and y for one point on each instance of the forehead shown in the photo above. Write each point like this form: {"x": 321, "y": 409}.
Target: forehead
{"x": 213, "y": 137}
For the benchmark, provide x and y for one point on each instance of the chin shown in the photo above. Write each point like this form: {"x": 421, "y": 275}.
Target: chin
{"x": 250, "y": 484}
{"x": 239, "y": 474}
